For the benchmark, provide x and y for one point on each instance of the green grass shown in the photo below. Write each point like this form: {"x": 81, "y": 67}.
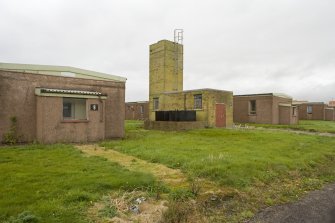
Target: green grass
{"x": 229, "y": 157}
{"x": 257, "y": 168}
{"x": 305, "y": 125}
{"x": 56, "y": 183}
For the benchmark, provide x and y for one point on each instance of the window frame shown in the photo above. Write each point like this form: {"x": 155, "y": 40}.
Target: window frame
{"x": 75, "y": 104}
{"x": 294, "y": 111}
{"x": 155, "y": 103}
{"x": 197, "y": 100}
{"x": 309, "y": 109}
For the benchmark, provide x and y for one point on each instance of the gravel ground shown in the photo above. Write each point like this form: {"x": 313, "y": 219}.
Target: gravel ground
{"x": 316, "y": 207}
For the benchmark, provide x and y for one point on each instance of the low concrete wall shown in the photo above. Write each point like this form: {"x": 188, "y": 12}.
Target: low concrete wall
{"x": 173, "y": 126}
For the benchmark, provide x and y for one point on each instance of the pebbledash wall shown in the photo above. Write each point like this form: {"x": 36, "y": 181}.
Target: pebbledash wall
{"x": 184, "y": 100}
{"x": 61, "y": 104}
{"x": 269, "y": 108}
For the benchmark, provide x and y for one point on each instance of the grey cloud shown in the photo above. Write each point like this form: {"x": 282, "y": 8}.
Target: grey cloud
{"x": 248, "y": 46}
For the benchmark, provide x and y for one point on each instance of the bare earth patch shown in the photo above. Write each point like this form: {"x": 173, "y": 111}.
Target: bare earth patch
{"x": 147, "y": 209}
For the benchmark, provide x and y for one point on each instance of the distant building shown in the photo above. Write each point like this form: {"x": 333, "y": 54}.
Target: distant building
{"x": 172, "y": 107}
{"x": 332, "y": 103}
{"x": 312, "y": 111}
{"x": 61, "y": 104}
{"x": 138, "y": 110}
{"x": 269, "y": 108}
{"x": 330, "y": 114}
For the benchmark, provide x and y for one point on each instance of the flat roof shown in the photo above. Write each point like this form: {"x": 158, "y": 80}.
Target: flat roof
{"x": 202, "y": 89}
{"x": 63, "y": 71}
{"x": 136, "y": 102}
{"x": 281, "y": 95}
{"x": 314, "y": 103}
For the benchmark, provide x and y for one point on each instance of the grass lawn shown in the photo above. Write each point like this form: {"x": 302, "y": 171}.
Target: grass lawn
{"x": 56, "y": 183}
{"x": 236, "y": 158}
{"x": 271, "y": 167}
{"x": 305, "y": 125}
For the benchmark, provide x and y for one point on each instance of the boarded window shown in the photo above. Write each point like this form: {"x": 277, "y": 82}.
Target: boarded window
{"x": 252, "y": 107}
{"x": 74, "y": 109}
{"x": 309, "y": 109}
{"x": 198, "y": 101}
{"x": 142, "y": 109}
{"x": 156, "y": 103}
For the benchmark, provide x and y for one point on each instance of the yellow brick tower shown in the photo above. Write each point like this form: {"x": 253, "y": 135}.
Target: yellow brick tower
{"x": 165, "y": 72}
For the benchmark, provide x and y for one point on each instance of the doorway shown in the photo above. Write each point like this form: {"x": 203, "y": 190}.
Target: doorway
{"x": 220, "y": 115}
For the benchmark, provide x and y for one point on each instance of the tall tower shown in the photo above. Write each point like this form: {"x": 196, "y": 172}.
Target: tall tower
{"x": 166, "y": 67}
{"x": 165, "y": 71}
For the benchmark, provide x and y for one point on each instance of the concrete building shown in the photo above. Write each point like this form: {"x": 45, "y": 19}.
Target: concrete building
{"x": 312, "y": 111}
{"x": 138, "y": 110}
{"x": 211, "y": 108}
{"x": 61, "y": 104}
{"x": 269, "y": 108}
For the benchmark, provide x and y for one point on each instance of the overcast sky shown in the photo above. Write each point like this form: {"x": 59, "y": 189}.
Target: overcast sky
{"x": 246, "y": 46}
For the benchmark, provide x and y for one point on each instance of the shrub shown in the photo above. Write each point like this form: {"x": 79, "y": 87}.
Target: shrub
{"x": 10, "y": 137}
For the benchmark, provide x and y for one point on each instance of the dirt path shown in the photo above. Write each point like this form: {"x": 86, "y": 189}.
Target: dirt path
{"x": 172, "y": 177}
{"x": 316, "y": 207}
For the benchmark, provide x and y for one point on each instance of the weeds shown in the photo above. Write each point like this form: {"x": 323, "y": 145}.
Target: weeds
{"x": 195, "y": 185}
{"x": 24, "y": 217}
{"x": 11, "y": 137}
{"x": 180, "y": 195}
{"x": 178, "y": 212}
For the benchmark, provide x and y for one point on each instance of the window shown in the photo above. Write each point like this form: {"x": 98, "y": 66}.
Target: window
{"x": 142, "y": 109}
{"x": 309, "y": 109}
{"x": 294, "y": 111}
{"x": 252, "y": 107}
{"x": 74, "y": 109}
{"x": 198, "y": 101}
{"x": 156, "y": 103}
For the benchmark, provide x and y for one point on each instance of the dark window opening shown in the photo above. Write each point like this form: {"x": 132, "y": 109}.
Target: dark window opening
{"x": 252, "y": 107}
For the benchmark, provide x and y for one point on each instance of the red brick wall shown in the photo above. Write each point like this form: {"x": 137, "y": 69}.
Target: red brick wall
{"x": 267, "y": 110}
{"x": 133, "y": 111}
{"x": 263, "y": 109}
{"x": 330, "y": 114}
{"x": 318, "y": 112}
